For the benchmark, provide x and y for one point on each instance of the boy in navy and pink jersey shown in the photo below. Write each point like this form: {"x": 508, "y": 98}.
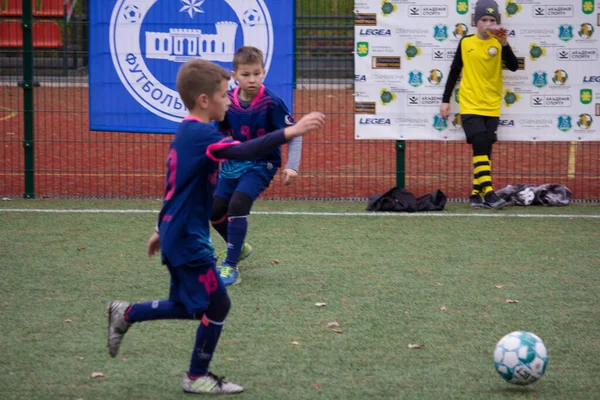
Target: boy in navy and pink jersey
{"x": 254, "y": 112}
{"x": 183, "y": 230}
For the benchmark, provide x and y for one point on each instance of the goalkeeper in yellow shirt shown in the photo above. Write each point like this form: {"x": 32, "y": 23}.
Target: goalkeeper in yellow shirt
{"x": 480, "y": 57}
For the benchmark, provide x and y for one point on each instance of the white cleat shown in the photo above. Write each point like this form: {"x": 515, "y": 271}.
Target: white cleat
{"x": 209, "y": 384}
{"x": 117, "y": 326}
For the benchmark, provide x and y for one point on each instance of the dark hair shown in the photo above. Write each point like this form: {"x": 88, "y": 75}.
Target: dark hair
{"x": 197, "y": 77}
{"x": 247, "y": 55}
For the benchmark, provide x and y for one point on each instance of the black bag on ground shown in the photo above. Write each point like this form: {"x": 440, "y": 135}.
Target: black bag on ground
{"x": 403, "y": 200}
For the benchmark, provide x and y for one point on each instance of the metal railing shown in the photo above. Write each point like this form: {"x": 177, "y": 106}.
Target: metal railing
{"x": 47, "y": 150}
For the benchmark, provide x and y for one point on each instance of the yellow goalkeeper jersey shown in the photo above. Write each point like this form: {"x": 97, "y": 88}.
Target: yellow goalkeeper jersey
{"x": 481, "y": 84}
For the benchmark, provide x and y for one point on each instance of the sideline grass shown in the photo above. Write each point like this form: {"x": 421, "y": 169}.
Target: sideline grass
{"x": 384, "y": 281}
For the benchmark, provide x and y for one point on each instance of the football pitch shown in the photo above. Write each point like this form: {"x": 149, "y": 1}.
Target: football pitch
{"x": 454, "y": 282}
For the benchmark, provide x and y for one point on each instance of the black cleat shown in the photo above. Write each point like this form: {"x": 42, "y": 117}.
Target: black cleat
{"x": 491, "y": 200}
{"x": 475, "y": 201}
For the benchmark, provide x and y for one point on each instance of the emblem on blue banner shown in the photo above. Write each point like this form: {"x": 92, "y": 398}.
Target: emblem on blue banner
{"x": 149, "y": 41}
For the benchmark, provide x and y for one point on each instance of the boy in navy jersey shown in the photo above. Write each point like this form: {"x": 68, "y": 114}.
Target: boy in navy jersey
{"x": 196, "y": 290}
{"x": 255, "y": 111}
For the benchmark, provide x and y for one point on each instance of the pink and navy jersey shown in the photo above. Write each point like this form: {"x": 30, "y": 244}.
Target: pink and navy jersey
{"x": 189, "y": 187}
{"x": 192, "y": 167}
{"x": 265, "y": 114}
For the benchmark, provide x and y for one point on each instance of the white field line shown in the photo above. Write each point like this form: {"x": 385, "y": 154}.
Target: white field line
{"x": 314, "y": 214}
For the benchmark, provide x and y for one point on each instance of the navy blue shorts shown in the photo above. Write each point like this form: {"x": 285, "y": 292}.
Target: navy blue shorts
{"x": 252, "y": 183}
{"x": 194, "y": 287}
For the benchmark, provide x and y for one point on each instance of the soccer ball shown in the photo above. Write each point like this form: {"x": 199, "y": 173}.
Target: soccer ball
{"x": 520, "y": 358}
{"x": 132, "y": 13}
{"x": 251, "y": 17}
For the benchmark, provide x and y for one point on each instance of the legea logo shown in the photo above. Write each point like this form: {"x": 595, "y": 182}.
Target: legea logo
{"x": 148, "y": 44}
{"x": 375, "y": 121}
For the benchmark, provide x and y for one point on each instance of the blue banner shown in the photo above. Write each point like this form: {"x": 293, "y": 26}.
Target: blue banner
{"x": 136, "y": 48}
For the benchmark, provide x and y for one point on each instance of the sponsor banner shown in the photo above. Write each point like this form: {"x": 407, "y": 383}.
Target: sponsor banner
{"x": 515, "y": 127}
{"x": 404, "y": 50}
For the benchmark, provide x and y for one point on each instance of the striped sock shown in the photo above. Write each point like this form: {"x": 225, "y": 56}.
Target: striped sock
{"x": 476, "y": 187}
{"x": 482, "y": 171}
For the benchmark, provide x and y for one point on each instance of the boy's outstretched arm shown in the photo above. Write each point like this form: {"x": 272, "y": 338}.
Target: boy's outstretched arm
{"x": 280, "y": 118}
{"x": 290, "y": 172}
{"x": 292, "y": 166}
{"x": 257, "y": 147}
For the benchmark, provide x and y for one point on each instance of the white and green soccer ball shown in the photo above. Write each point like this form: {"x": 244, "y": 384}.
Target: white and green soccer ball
{"x": 521, "y": 358}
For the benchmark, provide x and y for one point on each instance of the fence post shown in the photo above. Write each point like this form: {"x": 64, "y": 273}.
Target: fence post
{"x": 400, "y": 163}
{"x": 27, "y": 85}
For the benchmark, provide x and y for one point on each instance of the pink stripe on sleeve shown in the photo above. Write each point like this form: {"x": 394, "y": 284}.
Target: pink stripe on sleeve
{"x": 218, "y": 146}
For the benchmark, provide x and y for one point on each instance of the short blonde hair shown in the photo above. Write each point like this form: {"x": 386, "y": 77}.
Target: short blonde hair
{"x": 197, "y": 77}
{"x": 247, "y": 55}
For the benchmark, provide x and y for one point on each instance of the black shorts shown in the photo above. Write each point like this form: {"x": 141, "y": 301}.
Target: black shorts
{"x": 480, "y": 125}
